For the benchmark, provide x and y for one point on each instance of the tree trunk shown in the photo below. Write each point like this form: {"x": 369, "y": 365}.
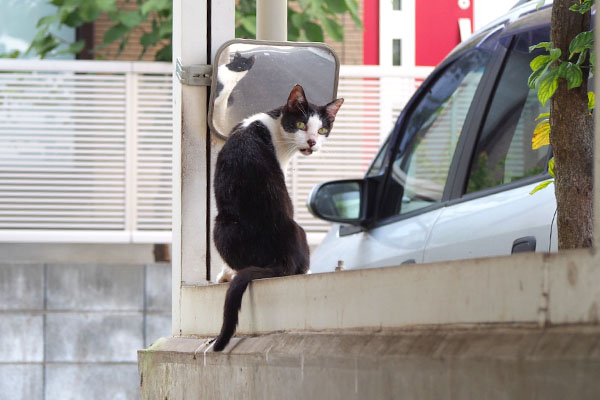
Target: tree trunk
{"x": 571, "y": 137}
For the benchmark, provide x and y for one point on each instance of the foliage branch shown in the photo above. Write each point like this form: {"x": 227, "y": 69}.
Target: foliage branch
{"x": 550, "y": 67}
{"x": 308, "y": 20}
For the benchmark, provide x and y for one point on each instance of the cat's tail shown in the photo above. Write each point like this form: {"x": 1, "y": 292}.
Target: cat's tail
{"x": 233, "y": 301}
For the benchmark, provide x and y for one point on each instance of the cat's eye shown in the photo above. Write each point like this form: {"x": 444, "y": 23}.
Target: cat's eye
{"x": 322, "y": 131}
{"x": 300, "y": 125}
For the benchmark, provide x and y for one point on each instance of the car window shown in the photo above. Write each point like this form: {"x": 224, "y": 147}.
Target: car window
{"x": 379, "y": 163}
{"x": 503, "y": 151}
{"x": 420, "y": 169}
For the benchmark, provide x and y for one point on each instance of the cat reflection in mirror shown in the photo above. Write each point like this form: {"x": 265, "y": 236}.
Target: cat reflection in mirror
{"x": 228, "y": 76}
{"x": 254, "y": 231}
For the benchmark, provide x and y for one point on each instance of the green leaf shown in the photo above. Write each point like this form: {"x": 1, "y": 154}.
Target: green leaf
{"x": 591, "y": 100}
{"x": 562, "y": 70}
{"x": 114, "y": 33}
{"x": 534, "y": 78}
{"x": 299, "y": 19}
{"x": 314, "y": 32}
{"x": 13, "y": 54}
{"x": 72, "y": 19}
{"x": 165, "y": 30}
{"x": 540, "y": 62}
{"x": 130, "y": 19}
{"x": 155, "y": 5}
{"x": 45, "y": 45}
{"x": 551, "y": 167}
{"x": 164, "y": 54}
{"x": 542, "y": 45}
{"x": 582, "y": 8}
{"x": 249, "y": 23}
{"x": 352, "y": 6}
{"x": 333, "y": 29}
{"x": 582, "y": 57}
{"x": 543, "y": 115}
{"x": 541, "y": 186}
{"x": 148, "y": 39}
{"x": 555, "y": 54}
{"x": 581, "y": 42}
{"x": 354, "y": 13}
{"x": 47, "y": 20}
{"x": 77, "y": 47}
{"x": 122, "y": 45}
{"x": 548, "y": 85}
{"x": 106, "y": 5}
{"x": 74, "y": 48}
{"x": 88, "y": 10}
{"x": 540, "y": 4}
{"x": 574, "y": 75}
{"x": 337, "y": 6}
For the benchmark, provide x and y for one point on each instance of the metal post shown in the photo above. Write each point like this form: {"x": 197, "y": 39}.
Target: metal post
{"x": 271, "y": 20}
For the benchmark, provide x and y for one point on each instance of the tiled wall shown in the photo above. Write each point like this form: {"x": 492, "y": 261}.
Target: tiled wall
{"x": 71, "y": 331}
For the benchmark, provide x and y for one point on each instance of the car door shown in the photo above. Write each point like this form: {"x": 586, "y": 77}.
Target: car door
{"x": 413, "y": 175}
{"x": 493, "y": 212}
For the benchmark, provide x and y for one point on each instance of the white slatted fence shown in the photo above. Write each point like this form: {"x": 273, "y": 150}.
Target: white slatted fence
{"x": 86, "y": 147}
{"x": 85, "y": 151}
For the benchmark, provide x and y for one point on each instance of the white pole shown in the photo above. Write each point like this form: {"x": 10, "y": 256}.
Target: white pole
{"x": 271, "y": 20}
{"x": 192, "y": 147}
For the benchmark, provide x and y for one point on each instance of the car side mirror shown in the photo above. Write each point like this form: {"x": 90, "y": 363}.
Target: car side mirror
{"x": 251, "y": 76}
{"x": 338, "y": 201}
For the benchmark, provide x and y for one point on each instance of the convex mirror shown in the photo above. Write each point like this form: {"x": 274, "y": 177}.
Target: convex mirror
{"x": 337, "y": 201}
{"x": 252, "y": 76}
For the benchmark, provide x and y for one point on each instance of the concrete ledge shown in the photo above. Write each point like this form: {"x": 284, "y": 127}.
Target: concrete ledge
{"x": 499, "y": 362}
{"x": 527, "y": 288}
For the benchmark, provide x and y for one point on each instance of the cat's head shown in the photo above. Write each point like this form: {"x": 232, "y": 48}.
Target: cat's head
{"x": 307, "y": 125}
{"x": 240, "y": 63}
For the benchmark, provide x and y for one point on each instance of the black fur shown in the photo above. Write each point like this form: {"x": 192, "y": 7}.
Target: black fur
{"x": 240, "y": 63}
{"x": 255, "y": 232}
{"x": 220, "y": 87}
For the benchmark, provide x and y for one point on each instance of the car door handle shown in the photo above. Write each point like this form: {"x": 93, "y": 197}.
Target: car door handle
{"x": 409, "y": 261}
{"x": 523, "y": 245}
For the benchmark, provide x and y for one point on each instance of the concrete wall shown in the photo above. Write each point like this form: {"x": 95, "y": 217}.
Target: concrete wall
{"x": 71, "y": 331}
{"x": 436, "y": 363}
{"x": 112, "y": 253}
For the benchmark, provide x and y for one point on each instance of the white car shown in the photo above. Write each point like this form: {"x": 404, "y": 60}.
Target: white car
{"x": 453, "y": 180}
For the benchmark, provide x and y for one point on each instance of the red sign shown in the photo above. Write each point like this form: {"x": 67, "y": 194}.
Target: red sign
{"x": 436, "y": 27}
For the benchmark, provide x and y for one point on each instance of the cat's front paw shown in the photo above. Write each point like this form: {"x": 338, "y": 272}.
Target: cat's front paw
{"x": 226, "y": 275}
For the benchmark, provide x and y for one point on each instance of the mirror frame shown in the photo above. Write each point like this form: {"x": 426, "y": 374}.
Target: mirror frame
{"x": 215, "y": 67}
{"x": 311, "y": 202}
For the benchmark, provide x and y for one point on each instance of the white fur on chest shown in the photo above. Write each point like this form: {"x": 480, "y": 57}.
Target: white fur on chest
{"x": 284, "y": 150}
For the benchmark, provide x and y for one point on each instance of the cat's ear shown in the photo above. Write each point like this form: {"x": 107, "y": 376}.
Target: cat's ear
{"x": 297, "y": 99}
{"x": 332, "y": 108}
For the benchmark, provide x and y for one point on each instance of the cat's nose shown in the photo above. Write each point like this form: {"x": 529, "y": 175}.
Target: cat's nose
{"x": 311, "y": 142}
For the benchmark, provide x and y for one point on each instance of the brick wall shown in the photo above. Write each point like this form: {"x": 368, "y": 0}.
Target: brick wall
{"x": 350, "y": 50}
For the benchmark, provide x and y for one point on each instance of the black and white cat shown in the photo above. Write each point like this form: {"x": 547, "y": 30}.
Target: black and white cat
{"x": 229, "y": 75}
{"x": 254, "y": 231}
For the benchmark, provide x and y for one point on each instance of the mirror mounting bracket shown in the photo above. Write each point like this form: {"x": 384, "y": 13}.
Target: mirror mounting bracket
{"x": 193, "y": 75}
